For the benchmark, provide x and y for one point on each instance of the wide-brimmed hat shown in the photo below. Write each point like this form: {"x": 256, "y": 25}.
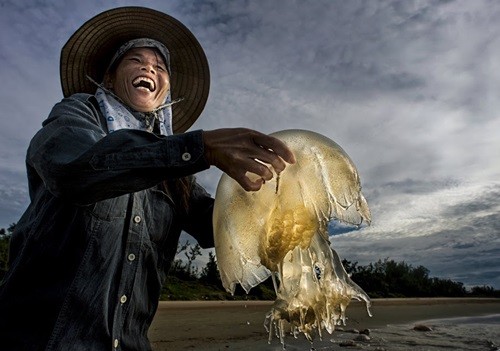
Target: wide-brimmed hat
{"x": 90, "y": 49}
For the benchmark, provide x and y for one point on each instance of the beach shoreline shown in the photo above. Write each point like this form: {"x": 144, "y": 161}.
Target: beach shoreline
{"x": 239, "y": 325}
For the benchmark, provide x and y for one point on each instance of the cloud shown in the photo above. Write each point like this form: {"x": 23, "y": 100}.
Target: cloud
{"x": 392, "y": 83}
{"x": 456, "y": 237}
{"x": 407, "y": 88}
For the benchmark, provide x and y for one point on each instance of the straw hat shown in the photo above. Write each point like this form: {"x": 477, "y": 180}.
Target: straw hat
{"x": 92, "y": 46}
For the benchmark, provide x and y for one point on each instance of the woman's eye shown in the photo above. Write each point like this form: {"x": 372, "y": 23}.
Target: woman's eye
{"x": 160, "y": 68}
{"x": 135, "y": 59}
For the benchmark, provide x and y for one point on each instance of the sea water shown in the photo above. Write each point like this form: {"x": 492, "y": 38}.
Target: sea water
{"x": 493, "y": 319}
{"x": 481, "y": 333}
{"x": 458, "y": 334}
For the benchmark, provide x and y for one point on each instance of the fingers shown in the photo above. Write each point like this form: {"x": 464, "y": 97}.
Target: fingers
{"x": 276, "y": 146}
{"x": 238, "y": 151}
{"x": 249, "y": 185}
{"x": 271, "y": 158}
{"x": 260, "y": 169}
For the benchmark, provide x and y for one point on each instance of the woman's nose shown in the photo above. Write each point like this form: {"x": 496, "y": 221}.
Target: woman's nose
{"x": 149, "y": 68}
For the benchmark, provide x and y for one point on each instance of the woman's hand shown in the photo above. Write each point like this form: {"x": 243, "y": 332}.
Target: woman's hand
{"x": 236, "y": 151}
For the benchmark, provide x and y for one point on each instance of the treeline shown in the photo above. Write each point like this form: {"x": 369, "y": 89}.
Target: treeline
{"x": 388, "y": 278}
{"x": 385, "y": 278}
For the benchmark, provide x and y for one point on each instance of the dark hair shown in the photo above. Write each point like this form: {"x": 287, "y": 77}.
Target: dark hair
{"x": 180, "y": 191}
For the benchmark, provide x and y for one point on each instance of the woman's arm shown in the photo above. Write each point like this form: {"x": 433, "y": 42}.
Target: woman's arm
{"x": 76, "y": 160}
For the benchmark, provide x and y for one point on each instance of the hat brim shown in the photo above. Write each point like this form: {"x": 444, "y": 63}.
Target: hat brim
{"x": 92, "y": 46}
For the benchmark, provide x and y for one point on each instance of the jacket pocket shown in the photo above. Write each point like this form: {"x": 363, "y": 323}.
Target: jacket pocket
{"x": 109, "y": 209}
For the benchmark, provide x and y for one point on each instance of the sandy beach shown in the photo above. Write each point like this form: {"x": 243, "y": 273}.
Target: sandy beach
{"x": 238, "y": 325}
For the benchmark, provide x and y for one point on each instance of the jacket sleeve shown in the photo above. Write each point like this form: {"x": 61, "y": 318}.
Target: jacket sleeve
{"x": 78, "y": 161}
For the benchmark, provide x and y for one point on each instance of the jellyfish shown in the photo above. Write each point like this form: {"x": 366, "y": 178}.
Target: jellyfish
{"x": 281, "y": 231}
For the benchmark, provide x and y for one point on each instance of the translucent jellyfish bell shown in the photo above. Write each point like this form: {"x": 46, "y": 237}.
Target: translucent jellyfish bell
{"x": 281, "y": 231}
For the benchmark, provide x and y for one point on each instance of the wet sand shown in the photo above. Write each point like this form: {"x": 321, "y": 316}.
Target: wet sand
{"x": 238, "y": 325}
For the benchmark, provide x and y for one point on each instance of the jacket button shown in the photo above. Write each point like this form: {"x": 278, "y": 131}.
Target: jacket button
{"x": 131, "y": 257}
{"x": 123, "y": 299}
{"x": 115, "y": 343}
{"x": 186, "y": 156}
{"x": 137, "y": 219}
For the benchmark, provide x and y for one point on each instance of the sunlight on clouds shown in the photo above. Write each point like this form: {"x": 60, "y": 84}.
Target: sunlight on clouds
{"x": 403, "y": 214}
{"x": 453, "y": 223}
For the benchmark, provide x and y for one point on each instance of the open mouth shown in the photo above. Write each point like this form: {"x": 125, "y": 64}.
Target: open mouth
{"x": 144, "y": 83}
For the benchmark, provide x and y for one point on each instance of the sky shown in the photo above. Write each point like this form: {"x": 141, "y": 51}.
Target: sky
{"x": 409, "y": 89}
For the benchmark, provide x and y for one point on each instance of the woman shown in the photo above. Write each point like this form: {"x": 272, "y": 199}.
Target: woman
{"x": 111, "y": 187}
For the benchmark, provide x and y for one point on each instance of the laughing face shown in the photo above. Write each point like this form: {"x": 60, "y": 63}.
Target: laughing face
{"x": 141, "y": 79}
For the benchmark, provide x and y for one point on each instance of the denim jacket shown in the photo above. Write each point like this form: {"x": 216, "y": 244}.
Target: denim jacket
{"x": 89, "y": 255}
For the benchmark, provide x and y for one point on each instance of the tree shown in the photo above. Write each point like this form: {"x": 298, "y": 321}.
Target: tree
{"x": 210, "y": 274}
{"x": 191, "y": 254}
{"x": 182, "y": 270}
{"x": 4, "y": 252}
{"x": 484, "y": 291}
{"x": 350, "y": 267}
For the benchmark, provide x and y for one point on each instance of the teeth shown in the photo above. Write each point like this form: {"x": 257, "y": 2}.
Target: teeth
{"x": 150, "y": 82}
